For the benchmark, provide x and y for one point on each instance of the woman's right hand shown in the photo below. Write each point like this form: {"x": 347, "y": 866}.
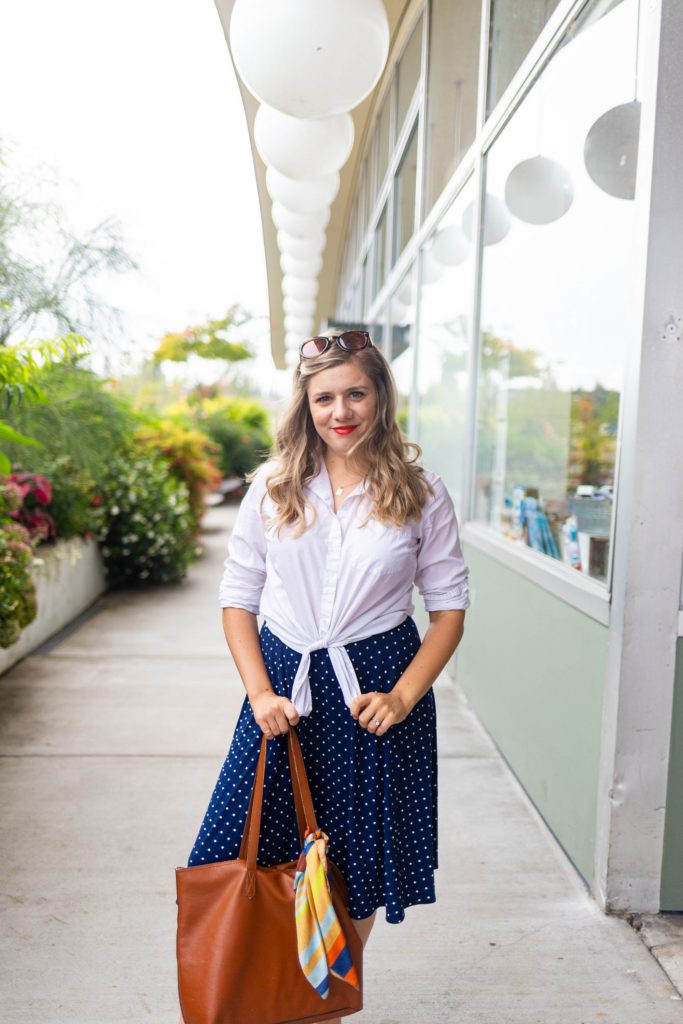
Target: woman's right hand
{"x": 273, "y": 714}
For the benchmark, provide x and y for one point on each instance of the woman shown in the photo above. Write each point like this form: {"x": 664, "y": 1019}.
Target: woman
{"x": 333, "y": 533}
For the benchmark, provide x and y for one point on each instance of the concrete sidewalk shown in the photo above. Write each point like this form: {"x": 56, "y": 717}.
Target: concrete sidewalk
{"x": 111, "y": 741}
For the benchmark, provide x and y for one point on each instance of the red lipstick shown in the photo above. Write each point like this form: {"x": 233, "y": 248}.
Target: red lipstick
{"x": 345, "y": 430}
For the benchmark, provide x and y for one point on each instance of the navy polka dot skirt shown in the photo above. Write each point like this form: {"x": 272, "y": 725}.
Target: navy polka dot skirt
{"x": 374, "y": 796}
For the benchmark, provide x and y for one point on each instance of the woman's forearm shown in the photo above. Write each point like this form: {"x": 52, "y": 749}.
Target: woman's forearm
{"x": 241, "y": 632}
{"x": 445, "y": 632}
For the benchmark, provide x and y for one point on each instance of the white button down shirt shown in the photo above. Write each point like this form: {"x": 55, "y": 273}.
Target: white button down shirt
{"x": 339, "y": 582}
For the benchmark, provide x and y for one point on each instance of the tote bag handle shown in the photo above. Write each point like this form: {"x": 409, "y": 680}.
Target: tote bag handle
{"x": 303, "y": 803}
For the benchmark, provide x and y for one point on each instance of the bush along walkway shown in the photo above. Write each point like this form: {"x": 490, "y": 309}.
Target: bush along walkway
{"x": 111, "y": 740}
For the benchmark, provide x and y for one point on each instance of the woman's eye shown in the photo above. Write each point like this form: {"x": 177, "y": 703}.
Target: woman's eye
{"x": 323, "y": 398}
{"x": 358, "y": 394}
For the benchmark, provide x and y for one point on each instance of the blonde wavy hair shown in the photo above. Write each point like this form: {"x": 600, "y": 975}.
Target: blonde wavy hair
{"x": 396, "y": 485}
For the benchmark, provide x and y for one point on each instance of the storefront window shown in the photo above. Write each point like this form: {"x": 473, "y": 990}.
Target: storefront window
{"x": 515, "y": 27}
{"x": 404, "y": 197}
{"x": 382, "y": 142}
{"x": 452, "y": 93}
{"x": 401, "y": 344}
{"x": 408, "y": 74}
{"x": 366, "y": 195}
{"x": 443, "y": 344}
{"x": 558, "y": 239}
{"x": 381, "y": 243}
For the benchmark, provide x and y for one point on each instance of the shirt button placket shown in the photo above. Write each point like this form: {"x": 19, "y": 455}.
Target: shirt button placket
{"x": 332, "y": 561}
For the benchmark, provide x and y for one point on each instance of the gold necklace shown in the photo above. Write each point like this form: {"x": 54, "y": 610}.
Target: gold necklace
{"x": 340, "y": 490}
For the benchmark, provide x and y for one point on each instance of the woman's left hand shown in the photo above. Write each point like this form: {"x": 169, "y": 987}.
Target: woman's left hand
{"x": 388, "y": 707}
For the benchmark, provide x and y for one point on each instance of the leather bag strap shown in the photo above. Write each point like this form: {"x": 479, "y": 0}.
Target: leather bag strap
{"x": 303, "y": 803}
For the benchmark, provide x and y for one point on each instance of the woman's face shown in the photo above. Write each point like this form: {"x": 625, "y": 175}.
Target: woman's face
{"x": 343, "y": 405}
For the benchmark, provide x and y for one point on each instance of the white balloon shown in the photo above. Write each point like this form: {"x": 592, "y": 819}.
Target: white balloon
{"x": 295, "y": 55}
{"x": 431, "y": 270}
{"x": 300, "y": 224}
{"x": 496, "y": 220}
{"x": 539, "y": 190}
{"x": 301, "y": 248}
{"x": 310, "y": 267}
{"x": 610, "y": 151}
{"x": 404, "y": 292}
{"x": 450, "y": 246}
{"x": 292, "y": 357}
{"x": 299, "y": 287}
{"x": 302, "y": 196}
{"x": 299, "y": 307}
{"x": 300, "y": 148}
{"x": 300, "y": 324}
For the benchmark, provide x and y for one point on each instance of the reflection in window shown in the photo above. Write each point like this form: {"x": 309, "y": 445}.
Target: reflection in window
{"x": 514, "y": 28}
{"x": 382, "y": 142}
{"x": 444, "y": 333}
{"x": 381, "y": 244}
{"x": 452, "y": 94}
{"x": 376, "y": 330}
{"x": 401, "y": 343}
{"x": 408, "y": 73}
{"x": 367, "y": 191}
{"x": 404, "y": 200}
{"x": 558, "y": 239}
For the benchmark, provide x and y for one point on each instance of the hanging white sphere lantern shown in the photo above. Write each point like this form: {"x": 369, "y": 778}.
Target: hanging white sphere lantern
{"x": 404, "y": 292}
{"x": 539, "y": 190}
{"x": 610, "y": 151}
{"x": 301, "y": 248}
{"x": 302, "y": 196}
{"x": 301, "y": 324}
{"x": 299, "y": 287}
{"x": 299, "y": 307}
{"x": 496, "y": 220}
{"x": 301, "y": 148}
{"x": 431, "y": 270}
{"x": 310, "y": 267}
{"x": 450, "y": 246}
{"x": 300, "y": 224}
{"x": 295, "y": 55}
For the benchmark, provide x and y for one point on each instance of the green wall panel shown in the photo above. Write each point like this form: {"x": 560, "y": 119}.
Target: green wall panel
{"x": 672, "y": 863}
{"x": 533, "y": 667}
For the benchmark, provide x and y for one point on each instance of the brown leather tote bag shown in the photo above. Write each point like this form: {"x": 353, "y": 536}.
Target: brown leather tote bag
{"x": 236, "y": 942}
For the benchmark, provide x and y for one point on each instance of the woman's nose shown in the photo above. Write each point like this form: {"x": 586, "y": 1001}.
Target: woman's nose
{"x": 342, "y": 410}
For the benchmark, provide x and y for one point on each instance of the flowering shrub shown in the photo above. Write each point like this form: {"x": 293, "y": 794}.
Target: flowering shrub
{"x": 36, "y": 494}
{"x": 191, "y": 456}
{"x": 76, "y": 505}
{"x": 148, "y": 533}
{"x": 17, "y": 590}
{"x": 240, "y": 427}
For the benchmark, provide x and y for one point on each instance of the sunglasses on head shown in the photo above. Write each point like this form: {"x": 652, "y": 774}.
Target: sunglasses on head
{"x": 350, "y": 341}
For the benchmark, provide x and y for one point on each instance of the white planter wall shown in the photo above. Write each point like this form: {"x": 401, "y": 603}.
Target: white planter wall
{"x": 69, "y": 579}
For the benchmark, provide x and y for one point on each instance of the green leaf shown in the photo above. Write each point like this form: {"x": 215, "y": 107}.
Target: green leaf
{"x": 8, "y": 433}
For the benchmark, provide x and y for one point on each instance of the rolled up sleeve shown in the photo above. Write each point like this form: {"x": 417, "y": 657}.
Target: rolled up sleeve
{"x": 442, "y": 576}
{"x": 244, "y": 574}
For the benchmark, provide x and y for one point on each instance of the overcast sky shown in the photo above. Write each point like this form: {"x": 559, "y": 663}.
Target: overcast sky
{"x": 136, "y": 106}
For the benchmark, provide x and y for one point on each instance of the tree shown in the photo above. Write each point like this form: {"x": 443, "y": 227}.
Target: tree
{"x": 46, "y": 271}
{"x": 207, "y": 340}
{"x": 20, "y": 369}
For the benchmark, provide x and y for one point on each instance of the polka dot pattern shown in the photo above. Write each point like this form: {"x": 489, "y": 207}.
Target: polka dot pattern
{"x": 374, "y": 796}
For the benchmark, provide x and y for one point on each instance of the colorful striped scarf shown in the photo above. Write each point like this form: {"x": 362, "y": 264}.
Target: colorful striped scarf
{"x": 321, "y": 942}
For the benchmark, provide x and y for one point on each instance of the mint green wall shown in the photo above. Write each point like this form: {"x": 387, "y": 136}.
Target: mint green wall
{"x": 672, "y": 863}
{"x": 533, "y": 667}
